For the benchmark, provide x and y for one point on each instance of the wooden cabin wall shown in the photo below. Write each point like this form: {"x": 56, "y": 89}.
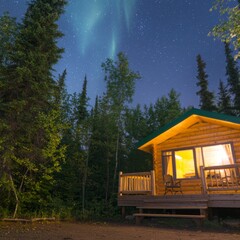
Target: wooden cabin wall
{"x": 157, "y": 161}
{"x": 200, "y": 134}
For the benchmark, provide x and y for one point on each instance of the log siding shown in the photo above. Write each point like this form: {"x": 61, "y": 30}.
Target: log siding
{"x": 198, "y": 135}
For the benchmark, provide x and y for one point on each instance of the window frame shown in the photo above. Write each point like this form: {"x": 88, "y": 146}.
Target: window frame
{"x": 216, "y": 144}
{"x": 193, "y": 148}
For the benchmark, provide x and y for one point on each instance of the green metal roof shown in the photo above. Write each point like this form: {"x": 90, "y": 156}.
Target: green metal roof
{"x": 193, "y": 111}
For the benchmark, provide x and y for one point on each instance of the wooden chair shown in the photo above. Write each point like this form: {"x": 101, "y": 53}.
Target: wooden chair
{"x": 171, "y": 185}
{"x": 214, "y": 179}
{"x": 231, "y": 179}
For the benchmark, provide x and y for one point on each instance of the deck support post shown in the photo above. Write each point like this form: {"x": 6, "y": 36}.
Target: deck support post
{"x": 204, "y": 212}
{"x": 123, "y": 210}
{"x": 138, "y": 220}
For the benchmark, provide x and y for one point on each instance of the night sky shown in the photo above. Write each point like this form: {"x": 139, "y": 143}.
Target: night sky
{"x": 161, "y": 39}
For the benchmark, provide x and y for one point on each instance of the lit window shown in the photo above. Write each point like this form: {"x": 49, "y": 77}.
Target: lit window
{"x": 185, "y": 163}
{"x": 180, "y": 163}
{"x": 217, "y": 155}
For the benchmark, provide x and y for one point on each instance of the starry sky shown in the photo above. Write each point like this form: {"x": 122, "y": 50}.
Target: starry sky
{"x": 161, "y": 39}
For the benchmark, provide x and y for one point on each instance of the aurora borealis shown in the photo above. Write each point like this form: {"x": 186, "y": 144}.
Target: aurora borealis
{"x": 161, "y": 39}
{"x": 98, "y": 24}
{"x": 98, "y": 29}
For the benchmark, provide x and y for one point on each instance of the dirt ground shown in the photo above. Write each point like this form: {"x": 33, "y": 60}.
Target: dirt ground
{"x": 108, "y": 231}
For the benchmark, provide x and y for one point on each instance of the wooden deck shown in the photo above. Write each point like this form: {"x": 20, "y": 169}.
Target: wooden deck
{"x": 219, "y": 187}
{"x": 181, "y": 201}
{"x": 178, "y": 206}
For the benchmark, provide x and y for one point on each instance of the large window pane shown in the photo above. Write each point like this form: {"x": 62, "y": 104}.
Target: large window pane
{"x": 185, "y": 166}
{"x": 181, "y": 163}
{"x": 217, "y": 155}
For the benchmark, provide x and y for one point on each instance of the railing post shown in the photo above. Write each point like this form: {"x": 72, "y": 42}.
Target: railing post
{"x": 153, "y": 187}
{"x": 204, "y": 186}
{"x": 120, "y": 184}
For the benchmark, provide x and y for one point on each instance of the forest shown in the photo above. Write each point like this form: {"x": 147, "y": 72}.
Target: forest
{"x": 59, "y": 156}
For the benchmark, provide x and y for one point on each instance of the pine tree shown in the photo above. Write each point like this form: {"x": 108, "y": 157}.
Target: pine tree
{"x": 83, "y": 101}
{"x": 166, "y": 109}
{"x": 135, "y": 125}
{"x": 174, "y": 106}
{"x": 135, "y": 129}
{"x": 76, "y": 138}
{"x": 8, "y": 32}
{"x": 206, "y": 97}
{"x": 151, "y": 118}
{"x": 60, "y": 91}
{"x": 107, "y": 142}
{"x": 224, "y": 100}
{"x": 232, "y": 73}
{"x": 31, "y": 152}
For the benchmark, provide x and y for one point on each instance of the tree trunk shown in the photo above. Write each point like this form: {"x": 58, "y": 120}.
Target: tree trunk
{"x": 107, "y": 182}
{"x": 16, "y": 196}
{"x": 85, "y": 180}
{"x": 116, "y": 162}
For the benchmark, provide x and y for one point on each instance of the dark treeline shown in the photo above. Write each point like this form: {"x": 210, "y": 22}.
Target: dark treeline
{"x": 59, "y": 156}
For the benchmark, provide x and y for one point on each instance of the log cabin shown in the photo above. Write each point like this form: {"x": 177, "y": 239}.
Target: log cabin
{"x": 196, "y": 164}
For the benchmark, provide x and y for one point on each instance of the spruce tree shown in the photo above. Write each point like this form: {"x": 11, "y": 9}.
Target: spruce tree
{"x": 83, "y": 102}
{"x": 135, "y": 125}
{"x": 60, "y": 91}
{"x": 164, "y": 110}
{"x": 107, "y": 142}
{"x": 224, "y": 100}
{"x": 8, "y": 32}
{"x": 135, "y": 130}
{"x": 232, "y": 73}
{"x": 206, "y": 97}
{"x": 31, "y": 152}
{"x": 76, "y": 138}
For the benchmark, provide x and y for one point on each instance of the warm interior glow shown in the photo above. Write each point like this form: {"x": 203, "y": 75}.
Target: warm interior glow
{"x": 184, "y": 163}
{"x": 168, "y": 163}
{"x": 217, "y": 155}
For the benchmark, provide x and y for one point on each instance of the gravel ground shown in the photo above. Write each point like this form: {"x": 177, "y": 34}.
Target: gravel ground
{"x": 108, "y": 231}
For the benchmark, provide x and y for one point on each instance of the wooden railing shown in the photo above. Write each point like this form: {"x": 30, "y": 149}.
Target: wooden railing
{"x": 220, "y": 178}
{"x": 137, "y": 183}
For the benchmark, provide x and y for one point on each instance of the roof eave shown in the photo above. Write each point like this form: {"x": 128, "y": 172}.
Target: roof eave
{"x": 183, "y": 122}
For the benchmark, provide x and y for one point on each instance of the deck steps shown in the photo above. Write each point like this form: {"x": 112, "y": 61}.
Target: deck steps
{"x": 179, "y": 208}
{"x": 202, "y": 216}
{"x": 172, "y": 207}
{"x": 199, "y": 218}
{"x": 174, "y": 203}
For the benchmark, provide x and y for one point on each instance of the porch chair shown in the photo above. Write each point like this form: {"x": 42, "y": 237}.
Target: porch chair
{"x": 231, "y": 178}
{"x": 171, "y": 185}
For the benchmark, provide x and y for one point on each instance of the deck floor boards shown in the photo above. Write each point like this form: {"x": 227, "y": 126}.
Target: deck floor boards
{"x": 211, "y": 200}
